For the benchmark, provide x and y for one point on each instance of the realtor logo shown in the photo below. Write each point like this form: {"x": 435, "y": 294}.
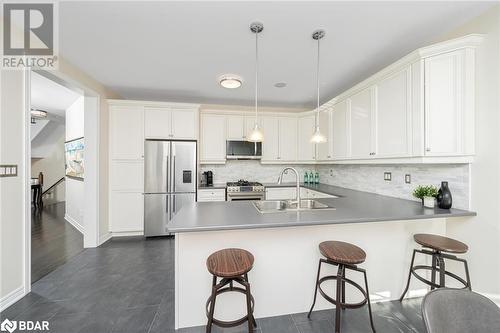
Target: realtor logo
{"x": 29, "y": 35}
{"x": 8, "y": 326}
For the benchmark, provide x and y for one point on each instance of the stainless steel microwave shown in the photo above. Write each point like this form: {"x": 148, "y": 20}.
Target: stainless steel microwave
{"x": 243, "y": 150}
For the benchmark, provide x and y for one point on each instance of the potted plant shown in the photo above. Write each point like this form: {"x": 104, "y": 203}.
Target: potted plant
{"x": 427, "y": 194}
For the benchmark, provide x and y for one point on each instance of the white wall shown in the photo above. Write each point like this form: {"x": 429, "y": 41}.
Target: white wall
{"x": 482, "y": 233}
{"x": 52, "y": 167}
{"x": 12, "y": 189}
{"x": 75, "y": 189}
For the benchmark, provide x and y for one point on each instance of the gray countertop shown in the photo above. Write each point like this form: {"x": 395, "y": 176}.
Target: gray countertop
{"x": 214, "y": 186}
{"x": 351, "y": 207}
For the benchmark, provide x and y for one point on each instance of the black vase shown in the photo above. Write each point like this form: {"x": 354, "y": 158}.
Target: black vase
{"x": 444, "y": 199}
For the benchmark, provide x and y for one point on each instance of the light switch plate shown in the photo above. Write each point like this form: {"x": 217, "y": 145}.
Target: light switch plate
{"x": 387, "y": 176}
{"x": 8, "y": 170}
{"x": 408, "y": 178}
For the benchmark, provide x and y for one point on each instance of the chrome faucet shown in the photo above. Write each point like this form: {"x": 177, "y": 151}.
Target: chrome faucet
{"x": 297, "y": 178}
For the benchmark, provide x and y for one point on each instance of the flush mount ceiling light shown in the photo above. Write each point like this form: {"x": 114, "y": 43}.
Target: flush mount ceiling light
{"x": 230, "y": 81}
{"x": 317, "y": 136}
{"x": 256, "y": 134}
{"x": 37, "y": 113}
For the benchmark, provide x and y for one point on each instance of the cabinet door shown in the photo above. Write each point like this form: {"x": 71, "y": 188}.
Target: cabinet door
{"x": 393, "y": 116}
{"x": 270, "y": 145}
{"x": 126, "y": 132}
{"x": 126, "y": 211}
{"x": 361, "y": 124}
{"x": 306, "y": 149}
{"x": 213, "y": 138}
{"x": 324, "y": 150}
{"x": 235, "y": 127}
{"x": 250, "y": 124}
{"x": 443, "y": 103}
{"x": 184, "y": 124}
{"x": 340, "y": 130}
{"x": 157, "y": 123}
{"x": 288, "y": 139}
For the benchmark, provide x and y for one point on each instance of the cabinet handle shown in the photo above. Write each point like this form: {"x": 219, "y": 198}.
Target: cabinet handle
{"x": 427, "y": 149}
{"x": 329, "y": 156}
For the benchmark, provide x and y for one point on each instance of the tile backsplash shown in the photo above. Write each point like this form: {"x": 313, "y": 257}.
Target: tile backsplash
{"x": 369, "y": 178}
{"x": 253, "y": 171}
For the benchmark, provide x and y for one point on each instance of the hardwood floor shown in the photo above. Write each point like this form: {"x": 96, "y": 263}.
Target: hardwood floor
{"x": 53, "y": 240}
{"x": 127, "y": 285}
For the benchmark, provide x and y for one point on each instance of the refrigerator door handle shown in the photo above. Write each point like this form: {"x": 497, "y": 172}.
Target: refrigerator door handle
{"x": 173, "y": 205}
{"x": 174, "y": 171}
{"x": 168, "y": 174}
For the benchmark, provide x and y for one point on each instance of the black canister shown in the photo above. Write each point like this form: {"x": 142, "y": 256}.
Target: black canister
{"x": 444, "y": 199}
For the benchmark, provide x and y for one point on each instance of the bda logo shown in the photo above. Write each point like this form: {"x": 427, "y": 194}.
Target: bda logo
{"x": 8, "y": 325}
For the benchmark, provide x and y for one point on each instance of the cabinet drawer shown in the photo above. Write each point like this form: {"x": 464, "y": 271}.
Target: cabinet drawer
{"x": 212, "y": 195}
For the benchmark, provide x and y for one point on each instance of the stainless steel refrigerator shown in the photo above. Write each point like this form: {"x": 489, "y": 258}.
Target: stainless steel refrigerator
{"x": 169, "y": 182}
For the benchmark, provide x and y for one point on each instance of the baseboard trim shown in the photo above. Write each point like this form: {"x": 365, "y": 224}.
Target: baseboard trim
{"x": 11, "y": 298}
{"x": 74, "y": 223}
{"x": 126, "y": 233}
{"x": 104, "y": 238}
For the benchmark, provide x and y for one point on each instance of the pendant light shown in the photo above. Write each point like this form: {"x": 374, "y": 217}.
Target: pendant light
{"x": 256, "y": 134}
{"x": 317, "y": 136}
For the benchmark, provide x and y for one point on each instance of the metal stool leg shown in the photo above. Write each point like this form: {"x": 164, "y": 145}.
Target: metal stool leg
{"x": 409, "y": 276}
{"x": 368, "y": 301}
{"x": 441, "y": 272}
{"x": 253, "y": 318}
{"x": 249, "y": 308}
{"x": 467, "y": 276}
{"x": 434, "y": 268}
{"x": 343, "y": 288}
{"x": 212, "y": 305}
{"x": 315, "y": 290}
{"x": 338, "y": 306}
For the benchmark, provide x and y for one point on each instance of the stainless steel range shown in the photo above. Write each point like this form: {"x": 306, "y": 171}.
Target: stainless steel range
{"x": 245, "y": 190}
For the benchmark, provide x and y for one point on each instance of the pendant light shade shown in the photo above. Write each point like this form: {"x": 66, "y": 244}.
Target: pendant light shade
{"x": 317, "y": 136}
{"x": 256, "y": 134}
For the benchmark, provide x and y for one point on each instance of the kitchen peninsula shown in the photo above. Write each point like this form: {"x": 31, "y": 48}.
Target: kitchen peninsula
{"x": 285, "y": 246}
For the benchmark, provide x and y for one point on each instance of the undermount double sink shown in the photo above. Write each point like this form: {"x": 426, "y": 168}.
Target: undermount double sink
{"x": 276, "y": 206}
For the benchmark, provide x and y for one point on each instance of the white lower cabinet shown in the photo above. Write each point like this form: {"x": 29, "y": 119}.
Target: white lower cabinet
{"x": 126, "y": 212}
{"x": 208, "y": 195}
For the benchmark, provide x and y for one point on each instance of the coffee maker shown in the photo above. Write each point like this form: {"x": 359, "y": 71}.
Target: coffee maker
{"x": 208, "y": 178}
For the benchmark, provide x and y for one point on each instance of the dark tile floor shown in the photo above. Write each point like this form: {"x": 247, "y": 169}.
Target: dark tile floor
{"x": 127, "y": 285}
{"x": 53, "y": 240}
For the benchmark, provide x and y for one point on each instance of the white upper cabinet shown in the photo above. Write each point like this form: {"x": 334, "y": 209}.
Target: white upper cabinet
{"x": 212, "y": 138}
{"x": 325, "y": 150}
{"x": 340, "y": 130}
{"x": 361, "y": 121}
{"x": 271, "y": 143}
{"x": 393, "y": 126}
{"x": 235, "y": 127}
{"x": 288, "y": 139}
{"x": 306, "y": 149}
{"x": 185, "y": 124}
{"x": 126, "y": 126}
{"x": 447, "y": 104}
{"x": 170, "y": 123}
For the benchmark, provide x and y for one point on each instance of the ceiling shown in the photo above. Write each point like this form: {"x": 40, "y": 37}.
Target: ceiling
{"x": 50, "y": 96}
{"x": 175, "y": 51}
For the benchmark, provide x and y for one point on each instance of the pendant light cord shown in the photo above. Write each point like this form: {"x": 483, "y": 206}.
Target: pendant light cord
{"x": 317, "y": 88}
{"x": 256, "y": 72}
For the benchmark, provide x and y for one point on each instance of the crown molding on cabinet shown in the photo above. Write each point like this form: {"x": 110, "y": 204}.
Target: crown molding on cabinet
{"x": 126, "y": 102}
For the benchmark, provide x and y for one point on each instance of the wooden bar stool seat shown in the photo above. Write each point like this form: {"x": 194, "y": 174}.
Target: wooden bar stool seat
{"x": 439, "y": 248}
{"x": 346, "y": 256}
{"x": 342, "y": 252}
{"x": 232, "y": 266}
{"x": 440, "y": 243}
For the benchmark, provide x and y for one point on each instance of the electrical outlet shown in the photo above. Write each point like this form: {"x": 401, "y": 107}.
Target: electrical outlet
{"x": 331, "y": 172}
{"x": 408, "y": 178}
{"x": 387, "y": 176}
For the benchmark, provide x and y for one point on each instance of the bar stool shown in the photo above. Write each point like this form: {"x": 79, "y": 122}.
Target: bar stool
{"x": 345, "y": 256}
{"x": 437, "y": 245}
{"x": 231, "y": 265}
